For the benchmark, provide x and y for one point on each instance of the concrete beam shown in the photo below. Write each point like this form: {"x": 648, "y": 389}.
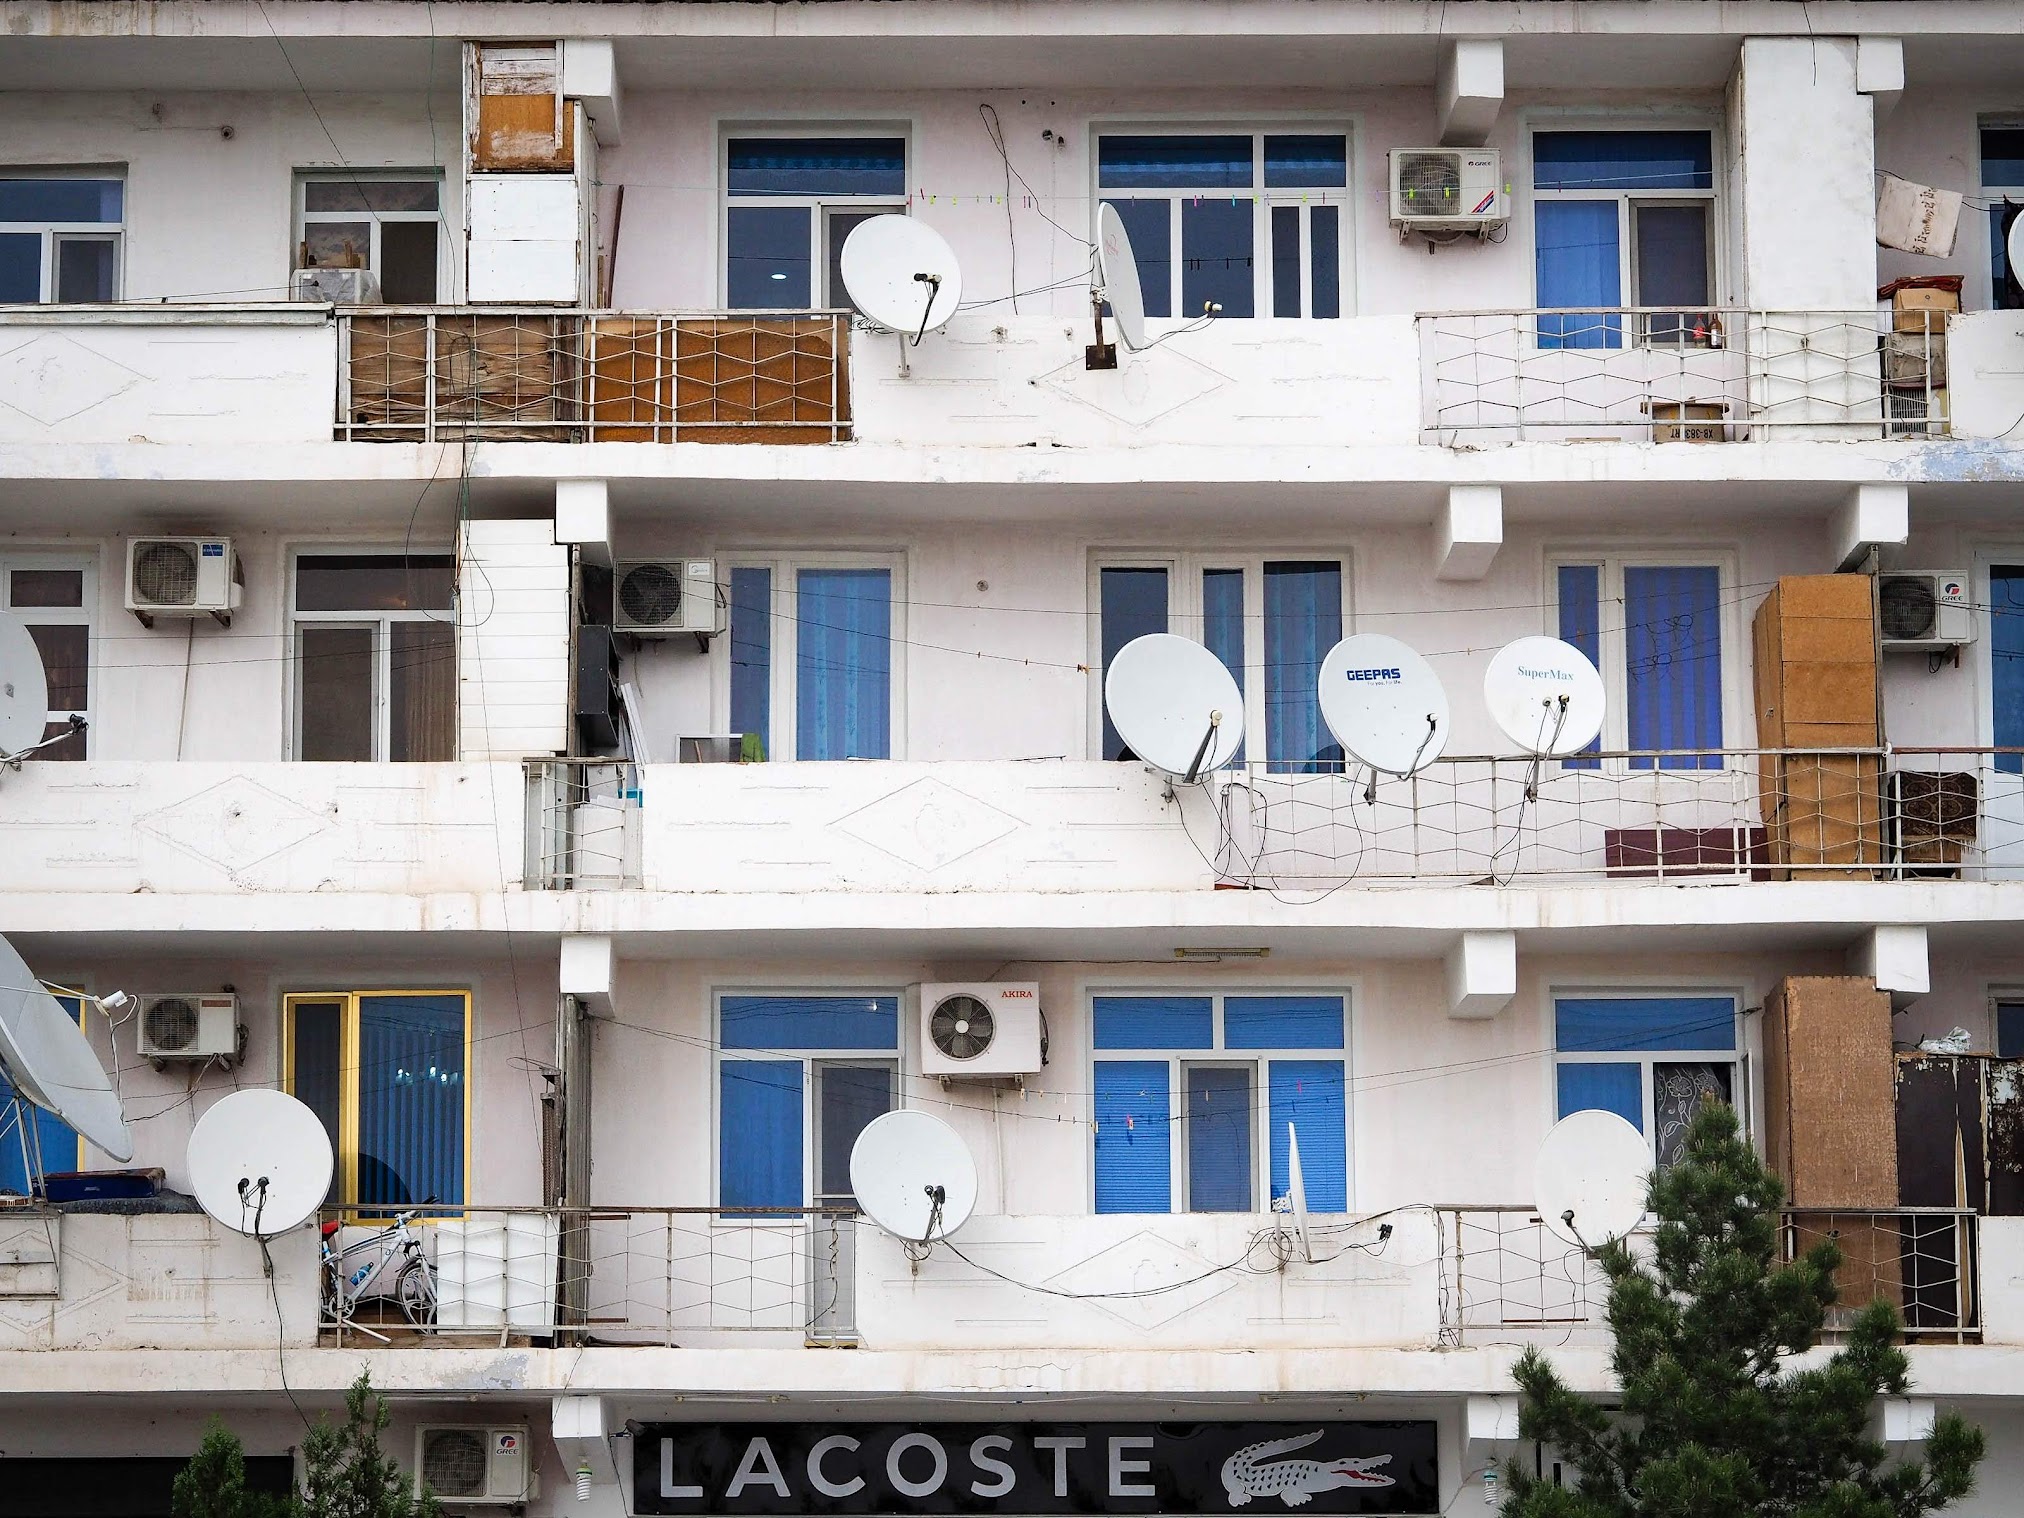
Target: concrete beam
{"x": 1880, "y": 71}
{"x": 588, "y": 970}
{"x": 1469, "y": 90}
{"x": 1894, "y": 956}
{"x": 583, "y": 518}
{"x": 1469, "y": 532}
{"x": 582, "y": 1438}
{"x": 1482, "y": 974}
{"x": 590, "y": 75}
{"x": 1871, "y": 516}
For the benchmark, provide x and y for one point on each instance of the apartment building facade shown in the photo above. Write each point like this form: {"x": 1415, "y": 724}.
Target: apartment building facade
{"x": 581, "y": 696}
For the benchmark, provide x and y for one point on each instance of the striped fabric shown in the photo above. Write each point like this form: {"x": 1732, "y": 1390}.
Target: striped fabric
{"x": 843, "y": 664}
{"x": 1310, "y": 1095}
{"x": 411, "y": 1096}
{"x": 1134, "y": 1136}
{"x": 1673, "y": 664}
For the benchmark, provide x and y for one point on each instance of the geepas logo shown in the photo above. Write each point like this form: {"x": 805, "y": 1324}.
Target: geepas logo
{"x": 1370, "y": 674}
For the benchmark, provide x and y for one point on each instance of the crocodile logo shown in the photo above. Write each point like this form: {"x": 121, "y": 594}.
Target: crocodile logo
{"x": 1255, "y": 1472}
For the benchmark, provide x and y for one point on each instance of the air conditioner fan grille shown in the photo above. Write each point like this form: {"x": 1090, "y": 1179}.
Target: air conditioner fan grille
{"x": 1430, "y": 184}
{"x": 1907, "y": 607}
{"x": 172, "y": 1023}
{"x": 650, "y": 595}
{"x": 962, "y": 1027}
{"x": 453, "y": 1462}
{"x": 165, "y": 574}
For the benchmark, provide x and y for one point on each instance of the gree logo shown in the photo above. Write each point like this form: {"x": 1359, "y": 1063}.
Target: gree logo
{"x": 1370, "y": 674}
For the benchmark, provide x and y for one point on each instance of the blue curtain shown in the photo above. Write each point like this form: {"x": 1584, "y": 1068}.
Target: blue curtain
{"x": 759, "y": 1137}
{"x": 411, "y": 1099}
{"x": 1616, "y": 161}
{"x": 1311, "y": 1095}
{"x": 809, "y": 1022}
{"x": 1673, "y": 664}
{"x": 1217, "y": 257}
{"x": 318, "y": 1080}
{"x": 1282, "y": 1022}
{"x": 1219, "y": 1138}
{"x": 62, "y": 200}
{"x": 1580, "y": 598}
{"x": 843, "y": 664}
{"x": 1578, "y": 266}
{"x": 1131, "y": 603}
{"x": 1324, "y": 239}
{"x": 57, "y": 1140}
{"x": 1223, "y": 625}
{"x": 1134, "y": 1136}
{"x": 2006, "y": 662}
{"x": 1153, "y": 1022}
{"x": 818, "y": 166}
{"x": 1286, "y": 260}
{"x": 1306, "y": 163}
{"x": 1593, "y": 1024}
{"x": 767, "y": 251}
{"x": 752, "y": 654}
{"x": 1608, "y": 1088}
{"x": 1303, "y": 620}
{"x": 1150, "y": 226}
{"x": 20, "y": 268}
{"x": 1173, "y": 163}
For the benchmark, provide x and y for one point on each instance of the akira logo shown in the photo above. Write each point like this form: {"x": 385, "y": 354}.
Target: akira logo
{"x": 1370, "y": 674}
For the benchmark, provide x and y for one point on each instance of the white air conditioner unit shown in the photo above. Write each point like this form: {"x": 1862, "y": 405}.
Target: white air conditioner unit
{"x": 1446, "y": 189}
{"x": 659, "y": 597}
{"x": 337, "y": 287}
{"x": 986, "y": 1030}
{"x": 183, "y": 577}
{"x": 1923, "y": 611}
{"x": 187, "y": 1025}
{"x": 468, "y": 1465}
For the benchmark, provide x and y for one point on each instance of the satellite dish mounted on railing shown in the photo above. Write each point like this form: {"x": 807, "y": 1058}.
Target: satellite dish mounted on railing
{"x": 1117, "y": 284}
{"x": 1545, "y": 696}
{"x": 913, "y": 1176}
{"x": 24, "y": 696}
{"x": 1175, "y": 705}
{"x": 1384, "y": 704}
{"x": 45, "y": 1057}
{"x": 260, "y": 1162}
{"x": 902, "y": 277}
{"x": 1591, "y": 1177}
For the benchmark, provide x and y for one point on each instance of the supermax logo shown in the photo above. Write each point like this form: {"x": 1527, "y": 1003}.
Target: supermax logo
{"x": 1370, "y": 674}
{"x": 1545, "y": 674}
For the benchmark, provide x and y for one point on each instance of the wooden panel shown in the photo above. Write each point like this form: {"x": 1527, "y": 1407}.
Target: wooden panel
{"x": 1777, "y": 1090}
{"x": 1766, "y": 663}
{"x": 518, "y": 132}
{"x": 2005, "y": 1082}
{"x": 1826, "y": 813}
{"x": 1932, "y": 1158}
{"x": 389, "y": 368}
{"x": 1685, "y": 851}
{"x": 1832, "y": 1081}
{"x": 746, "y": 380}
{"x": 631, "y": 378}
{"x": 1814, "y": 679}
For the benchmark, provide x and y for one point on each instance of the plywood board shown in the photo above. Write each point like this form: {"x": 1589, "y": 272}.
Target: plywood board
{"x": 1835, "y": 1090}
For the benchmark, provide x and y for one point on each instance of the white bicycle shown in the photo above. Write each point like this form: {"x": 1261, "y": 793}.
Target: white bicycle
{"x": 388, "y": 1266}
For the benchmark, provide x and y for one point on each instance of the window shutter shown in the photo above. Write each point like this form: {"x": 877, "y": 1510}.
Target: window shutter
{"x": 1604, "y": 1087}
{"x": 1310, "y": 1095}
{"x": 759, "y": 1142}
{"x": 1220, "y": 1126}
{"x": 1673, "y": 664}
{"x": 1134, "y": 1136}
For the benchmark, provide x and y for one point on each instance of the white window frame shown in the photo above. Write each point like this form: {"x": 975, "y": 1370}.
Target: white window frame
{"x": 1613, "y": 646}
{"x": 379, "y": 623}
{"x": 1179, "y": 1061}
{"x": 1187, "y": 616}
{"x": 812, "y": 1061}
{"x": 1743, "y": 1099}
{"x": 1261, "y": 198}
{"x": 83, "y": 615}
{"x": 784, "y": 649}
{"x": 54, "y": 232}
{"x": 821, "y": 297}
{"x": 304, "y": 217}
{"x": 1626, "y": 247}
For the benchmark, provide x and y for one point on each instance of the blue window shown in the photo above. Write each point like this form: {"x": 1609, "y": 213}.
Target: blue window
{"x": 1303, "y": 621}
{"x": 386, "y": 1072}
{"x": 2010, "y": 1030}
{"x": 1663, "y": 654}
{"x": 1223, "y": 625}
{"x": 1618, "y": 212}
{"x": 2006, "y": 663}
{"x": 1196, "y": 1096}
{"x": 1580, "y": 588}
{"x": 1132, "y": 602}
{"x": 49, "y": 1136}
{"x": 799, "y": 1077}
{"x": 790, "y": 203}
{"x": 2003, "y": 179}
{"x": 1190, "y": 204}
{"x": 838, "y": 641}
{"x": 1651, "y": 1059}
{"x": 60, "y": 238}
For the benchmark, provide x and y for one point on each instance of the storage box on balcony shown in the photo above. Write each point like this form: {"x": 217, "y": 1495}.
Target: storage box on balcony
{"x": 1829, "y": 1078}
{"x": 1814, "y": 638}
{"x": 1823, "y": 814}
{"x": 1923, "y": 302}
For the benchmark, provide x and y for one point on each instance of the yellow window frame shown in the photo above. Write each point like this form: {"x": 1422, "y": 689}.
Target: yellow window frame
{"x": 348, "y": 1065}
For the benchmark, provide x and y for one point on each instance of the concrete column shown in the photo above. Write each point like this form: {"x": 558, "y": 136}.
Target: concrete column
{"x": 1468, "y": 532}
{"x": 1469, "y": 90}
{"x": 1894, "y": 956}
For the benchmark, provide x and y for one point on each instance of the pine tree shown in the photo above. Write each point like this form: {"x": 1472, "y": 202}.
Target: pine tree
{"x": 1712, "y": 1423}
{"x": 347, "y": 1475}
{"x": 213, "y": 1484}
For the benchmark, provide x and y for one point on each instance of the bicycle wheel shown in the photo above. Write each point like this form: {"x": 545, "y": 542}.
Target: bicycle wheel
{"x": 415, "y": 1290}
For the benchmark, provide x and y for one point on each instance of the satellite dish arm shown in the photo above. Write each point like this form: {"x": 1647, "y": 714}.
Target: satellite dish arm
{"x": 1208, "y": 737}
{"x": 934, "y": 284}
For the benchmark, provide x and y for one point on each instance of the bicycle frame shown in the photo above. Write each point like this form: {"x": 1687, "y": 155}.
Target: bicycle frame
{"x": 372, "y": 1267}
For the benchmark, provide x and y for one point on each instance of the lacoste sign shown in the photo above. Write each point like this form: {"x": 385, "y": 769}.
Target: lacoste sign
{"x": 1315, "y": 1466}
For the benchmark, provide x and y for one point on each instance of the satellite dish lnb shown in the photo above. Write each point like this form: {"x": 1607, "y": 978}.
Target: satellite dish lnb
{"x": 913, "y": 1176}
{"x": 24, "y": 688}
{"x": 44, "y": 1054}
{"x": 901, "y": 275}
{"x": 1384, "y": 704}
{"x": 1590, "y": 1179}
{"x": 1117, "y": 268}
{"x": 1545, "y": 696}
{"x": 260, "y": 1162}
{"x": 1175, "y": 705}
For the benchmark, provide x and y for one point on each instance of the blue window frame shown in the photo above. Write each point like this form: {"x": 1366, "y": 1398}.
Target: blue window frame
{"x": 1650, "y": 1058}
{"x": 790, "y": 201}
{"x": 1190, "y": 204}
{"x": 60, "y": 237}
{"x": 1196, "y": 1095}
{"x": 798, "y": 1077}
{"x": 55, "y": 1140}
{"x": 828, "y": 632}
{"x": 2006, "y": 663}
{"x": 1661, "y": 655}
{"x": 1618, "y": 211}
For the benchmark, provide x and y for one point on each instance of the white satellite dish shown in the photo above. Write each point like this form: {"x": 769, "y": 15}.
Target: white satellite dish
{"x": 901, "y": 274}
{"x": 44, "y": 1054}
{"x": 1544, "y": 696}
{"x": 1175, "y": 705}
{"x": 260, "y": 1162}
{"x": 1384, "y": 703}
{"x": 1296, "y": 1195}
{"x": 913, "y": 1176}
{"x": 1117, "y": 268}
{"x": 2013, "y": 248}
{"x": 24, "y": 688}
{"x": 1590, "y": 1178}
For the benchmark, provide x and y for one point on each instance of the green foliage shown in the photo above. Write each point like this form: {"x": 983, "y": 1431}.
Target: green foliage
{"x": 347, "y": 1475}
{"x": 213, "y": 1484}
{"x": 1712, "y": 1423}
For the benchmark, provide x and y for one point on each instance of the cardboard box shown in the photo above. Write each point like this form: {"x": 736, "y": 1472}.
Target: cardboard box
{"x": 1830, "y": 1092}
{"x": 1923, "y": 309}
{"x": 1813, "y": 641}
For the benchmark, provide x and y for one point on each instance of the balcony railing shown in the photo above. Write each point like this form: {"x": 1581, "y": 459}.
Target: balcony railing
{"x": 1707, "y": 814}
{"x": 424, "y": 374}
{"x": 1642, "y": 374}
{"x": 1506, "y": 1279}
{"x": 645, "y": 1275}
{"x": 583, "y": 825}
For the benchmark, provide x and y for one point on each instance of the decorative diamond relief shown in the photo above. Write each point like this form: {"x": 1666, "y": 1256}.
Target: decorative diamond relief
{"x": 234, "y": 824}
{"x": 927, "y": 824}
{"x": 1139, "y": 1263}
{"x": 53, "y": 378}
{"x": 1142, "y": 389}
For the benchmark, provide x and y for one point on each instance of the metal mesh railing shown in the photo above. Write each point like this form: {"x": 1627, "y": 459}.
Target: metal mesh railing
{"x": 422, "y": 374}
{"x": 1645, "y": 374}
{"x": 583, "y": 825}
{"x": 1704, "y": 814}
{"x": 1921, "y": 1260}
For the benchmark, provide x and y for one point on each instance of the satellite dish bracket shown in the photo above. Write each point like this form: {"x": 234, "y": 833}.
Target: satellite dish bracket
{"x": 20, "y": 1114}
{"x": 1099, "y": 354}
{"x": 71, "y": 729}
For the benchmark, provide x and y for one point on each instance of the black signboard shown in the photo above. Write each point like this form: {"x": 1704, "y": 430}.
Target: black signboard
{"x": 1316, "y": 1466}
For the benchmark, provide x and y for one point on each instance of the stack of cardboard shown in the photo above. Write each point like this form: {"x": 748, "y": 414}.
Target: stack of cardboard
{"x": 1915, "y": 349}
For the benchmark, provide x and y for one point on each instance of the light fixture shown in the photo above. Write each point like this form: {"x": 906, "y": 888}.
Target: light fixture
{"x": 583, "y": 1482}
{"x": 1189, "y": 956}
